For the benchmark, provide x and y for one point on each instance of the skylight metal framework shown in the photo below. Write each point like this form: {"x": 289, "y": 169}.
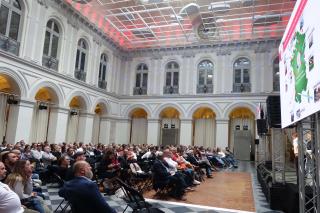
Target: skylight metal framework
{"x": 135, "y": 24}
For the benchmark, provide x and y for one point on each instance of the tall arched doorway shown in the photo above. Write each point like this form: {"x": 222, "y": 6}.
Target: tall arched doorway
{"x": 77, "y": 104}
{"x": 9, "y": 96}
{"x": 170, "y": 126}
{"x": 99, "y": 112}
{"x": 139, "y": 126}
{"x": 45, "y": 99}
{"x": 204, "y": 127}
{"x": 242, "y": 133}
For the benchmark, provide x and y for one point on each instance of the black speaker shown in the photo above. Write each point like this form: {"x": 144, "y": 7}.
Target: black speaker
{"x": 262, "y": 126}
{"x": 256, "y": 141}
{"x": 274, "y": 111}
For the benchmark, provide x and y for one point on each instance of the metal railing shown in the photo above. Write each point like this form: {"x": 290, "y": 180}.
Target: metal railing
{"x": 205, "y": 88}
{"x": 80, "y": 75}
{"x": 50, "y": 62}
{"x": 170, "y": 89}
{"x": 241, "y": 87}
{"x": 139, "y": 90}
{"x": 9, "y": 45}
{"x": 102, "y": 84}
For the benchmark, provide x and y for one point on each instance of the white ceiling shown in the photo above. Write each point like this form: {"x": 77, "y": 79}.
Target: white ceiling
{"x": 135, "y": 24}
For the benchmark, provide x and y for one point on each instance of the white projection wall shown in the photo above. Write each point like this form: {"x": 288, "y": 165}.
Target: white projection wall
{"x": 299, "y": 57}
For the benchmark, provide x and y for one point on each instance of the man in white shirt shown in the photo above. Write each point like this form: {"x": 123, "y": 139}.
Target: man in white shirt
{"x": 296, "y": 153}
{"x": 37, "y": 153}
{"x": 9, "y": 200}
{"x": 47, "y": 157}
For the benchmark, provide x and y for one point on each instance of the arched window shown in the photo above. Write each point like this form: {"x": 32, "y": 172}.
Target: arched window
{"x": 276, "y": 75}
{"x": 141, "y": 80}
{"x": 80, "y": 66}
{"x": 172, "y": 78}
{"x": 205, "y": 77}
{"x": 241, "y": 80}
{"x": 10, "y": 15}
{"x": 51, "y": 45}
{"x": 103, "y": 71}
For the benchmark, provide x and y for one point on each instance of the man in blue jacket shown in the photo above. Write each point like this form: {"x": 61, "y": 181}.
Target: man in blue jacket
{"x": 82, "y": 193}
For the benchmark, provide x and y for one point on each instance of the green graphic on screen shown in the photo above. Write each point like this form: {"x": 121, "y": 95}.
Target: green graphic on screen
{"x": 298, "y": 64}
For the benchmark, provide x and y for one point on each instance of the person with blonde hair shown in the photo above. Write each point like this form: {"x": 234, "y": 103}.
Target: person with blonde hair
{"x": 21, "y": 183}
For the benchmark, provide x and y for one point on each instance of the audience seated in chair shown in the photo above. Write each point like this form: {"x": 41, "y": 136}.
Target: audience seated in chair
{"x": 163, "y": 178}
{"x": 82, "y": 193}
{"x": 21, "y": 183}
{"x": 9, "y": 159}
{"x": 9, "y": 200}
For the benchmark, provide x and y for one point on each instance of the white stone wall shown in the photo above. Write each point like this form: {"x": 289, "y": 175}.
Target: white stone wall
{"x": 28, "y": 73}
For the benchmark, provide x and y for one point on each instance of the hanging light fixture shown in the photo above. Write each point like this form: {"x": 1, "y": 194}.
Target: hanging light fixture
{"x": 82, "y": 1}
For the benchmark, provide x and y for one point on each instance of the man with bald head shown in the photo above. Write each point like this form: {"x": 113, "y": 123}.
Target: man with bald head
{"x": 83, "y": 193}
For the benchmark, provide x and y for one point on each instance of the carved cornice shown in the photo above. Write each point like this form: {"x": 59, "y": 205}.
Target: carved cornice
{"x": 219, "y": 48}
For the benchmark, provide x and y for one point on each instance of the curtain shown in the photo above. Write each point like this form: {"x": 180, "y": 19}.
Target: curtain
{"x": 204, "y": 134}
{"x": 96, "y": 129}
{"x": 139, "y": 131}
{"x": 39, "y": 126}
{"x": 43, "y": 118}
{"x": 73, "y": 124}
{"x": 240, "y": 124}
{"x": 3, "y": 109}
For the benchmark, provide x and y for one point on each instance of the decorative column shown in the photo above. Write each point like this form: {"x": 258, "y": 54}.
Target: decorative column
{"x": 222, "y": 135}
{"x": 186, "y": 132}
{"x": 58, "y": 124}
{"x": 104, "y": 134}
{"x": 19, "y": 126}
{"x": 85, "y": 127}
{"x": 123, "y": 131}
{"x": 153, "y": 134}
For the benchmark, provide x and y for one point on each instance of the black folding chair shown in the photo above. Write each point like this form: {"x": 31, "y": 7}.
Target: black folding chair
{"x": 64, "y": 204}
{"x": 135, "y": 199}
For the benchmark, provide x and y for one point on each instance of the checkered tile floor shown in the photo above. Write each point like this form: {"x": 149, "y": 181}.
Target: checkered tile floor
{"x": 53, "y": 199}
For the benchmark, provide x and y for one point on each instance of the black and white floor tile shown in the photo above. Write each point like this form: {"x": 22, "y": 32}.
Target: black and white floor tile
{"x": 262, "y": 206}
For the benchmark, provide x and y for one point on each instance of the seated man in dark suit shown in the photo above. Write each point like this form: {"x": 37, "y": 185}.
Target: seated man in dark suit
{"x": 163, "y": 178}
{"x": 82, "y": 193}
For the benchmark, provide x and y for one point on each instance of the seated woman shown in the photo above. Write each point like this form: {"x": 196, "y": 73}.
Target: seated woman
{"x": 109, "y": 166}
{"x": 184, "y": 166}
{"x": 63, "y": 164}
{"x": 20, "y": 182}
{"x": 109, "y": 169}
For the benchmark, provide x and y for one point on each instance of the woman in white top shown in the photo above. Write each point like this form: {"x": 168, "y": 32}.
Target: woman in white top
{"x": 9, "y": 201}
{"x": 20, "y": 182}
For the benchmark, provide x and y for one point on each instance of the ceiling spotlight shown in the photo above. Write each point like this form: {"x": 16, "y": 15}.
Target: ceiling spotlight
{"x": 247, "y": 3}
{"x": 82, "y": 1}
{"x": 268, "y": 19}
{"x": 143, "y": 33}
